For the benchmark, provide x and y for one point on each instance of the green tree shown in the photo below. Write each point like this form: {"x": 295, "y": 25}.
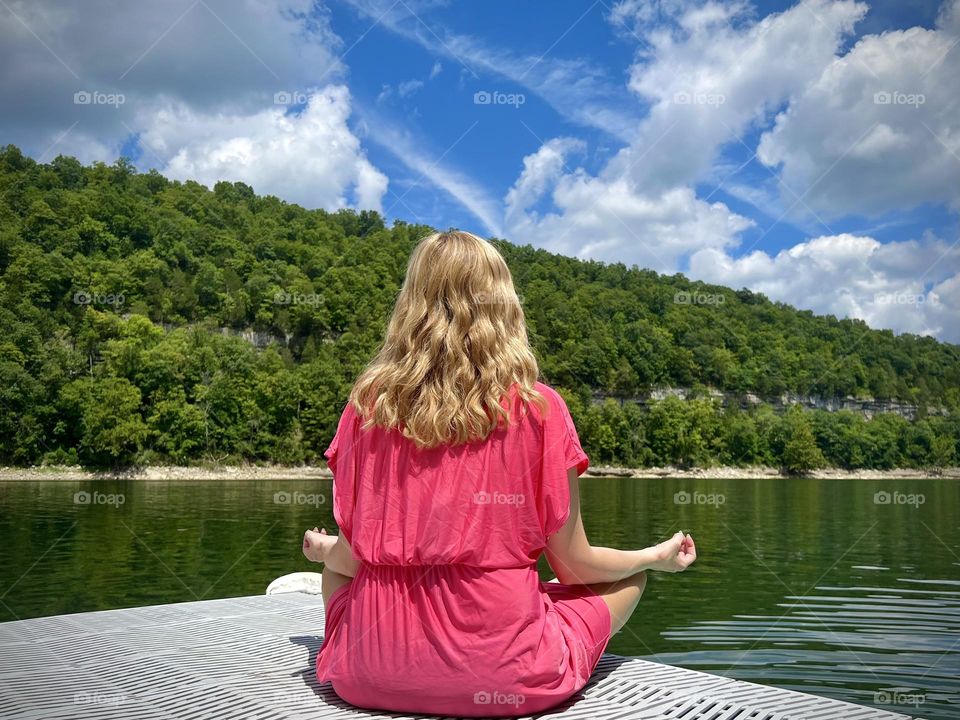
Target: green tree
{"x": 110, "y": 428}
{"x": 225, "y": 371}
{"x": 800, "y": 452}
{"x": 943, "y": 452}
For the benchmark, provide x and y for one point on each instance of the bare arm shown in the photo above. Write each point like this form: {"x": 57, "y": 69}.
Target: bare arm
{"x": 332, "y": 550}
{"x": 576, "y": 562}
{"x": 340, "y": 558}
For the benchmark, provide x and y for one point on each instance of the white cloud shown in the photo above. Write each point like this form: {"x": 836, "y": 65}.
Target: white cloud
{"x": 879, "y": 129}
{"x": 71, "y": 141}
{"x": 713, "y": 73}
{"x": 311, "y": 158}
{"x": 409, "y": 87}
{"x": 402, "y": 90}
{"x": 911, "y": 286}
{"x": 709, "y": 75}
{"x": 198, "y": 84}
{"x": 217, "y": 55}
{"x": 541, "y": 170}
{"x": 634, "y": 15}
{"x": 612, "y": 219}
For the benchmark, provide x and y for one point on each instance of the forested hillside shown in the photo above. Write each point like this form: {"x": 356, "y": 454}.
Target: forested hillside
{"x": 122, "y": 295}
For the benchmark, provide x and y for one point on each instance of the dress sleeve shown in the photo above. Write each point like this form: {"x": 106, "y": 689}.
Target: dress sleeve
{"x": 561, "y": 451}
{"x": 572, "y": 451}
{"x": 342, "y": 463}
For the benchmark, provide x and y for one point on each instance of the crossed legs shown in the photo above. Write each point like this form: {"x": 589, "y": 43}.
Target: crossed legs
{"x": 339, "y": 565}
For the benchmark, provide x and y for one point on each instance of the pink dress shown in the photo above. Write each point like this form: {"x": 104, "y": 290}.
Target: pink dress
{"x": 447, "y": 614}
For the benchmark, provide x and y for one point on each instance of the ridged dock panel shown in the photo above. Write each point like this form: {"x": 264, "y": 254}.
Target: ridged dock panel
{"x": 253, "y": 657}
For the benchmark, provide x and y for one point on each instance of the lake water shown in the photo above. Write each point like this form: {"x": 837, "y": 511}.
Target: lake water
{"x": 848, "y": 589}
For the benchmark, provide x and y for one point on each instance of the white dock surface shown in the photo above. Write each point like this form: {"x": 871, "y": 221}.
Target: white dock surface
{"x": 253, "y": 657}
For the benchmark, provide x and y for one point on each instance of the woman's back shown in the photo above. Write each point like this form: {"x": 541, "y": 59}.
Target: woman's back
{"x": 460, "y": 472}
{"x": 448, "y": 539}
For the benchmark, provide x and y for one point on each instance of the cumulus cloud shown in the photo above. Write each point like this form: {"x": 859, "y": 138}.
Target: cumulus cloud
{"x": 711, "y": 73}
{"x": 912, "y": 286}
{"x": 851, "y": 131}
{"x": 197, "y": 83}
{"x": 310, "y": 157}
{"x": 612, "y": 219}
{"x": 708, "y": 74}
{"x": 714, "y": 75}
{"x": 879, "y": 129}
{"x": 541, "y": 170}
{"x": 214, "y": 55}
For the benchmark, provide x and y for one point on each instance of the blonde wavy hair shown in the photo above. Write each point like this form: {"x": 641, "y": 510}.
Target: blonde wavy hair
{"x": 455, "y": 344}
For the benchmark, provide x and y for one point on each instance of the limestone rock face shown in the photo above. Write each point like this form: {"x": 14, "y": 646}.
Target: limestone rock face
{"x": 867, "y": 406}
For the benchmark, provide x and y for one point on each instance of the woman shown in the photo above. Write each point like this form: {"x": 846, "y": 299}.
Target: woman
{"x": 454, "y": 470}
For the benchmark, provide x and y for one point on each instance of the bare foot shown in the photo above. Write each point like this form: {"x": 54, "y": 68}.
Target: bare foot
{"x": 316, "y": 544}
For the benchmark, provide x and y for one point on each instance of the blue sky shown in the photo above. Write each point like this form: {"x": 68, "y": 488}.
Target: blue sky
{"x": 810, "y": 150}
{"x": 441, "y": 117}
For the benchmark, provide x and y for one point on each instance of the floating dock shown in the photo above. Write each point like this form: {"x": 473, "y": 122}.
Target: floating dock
{"x": 253, "y": 657}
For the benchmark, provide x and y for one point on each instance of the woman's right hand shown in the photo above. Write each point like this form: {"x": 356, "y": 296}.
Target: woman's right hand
{"x": 674, "y": 555}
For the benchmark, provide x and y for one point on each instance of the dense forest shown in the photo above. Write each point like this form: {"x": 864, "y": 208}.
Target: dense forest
{"x": 128, "y": 301}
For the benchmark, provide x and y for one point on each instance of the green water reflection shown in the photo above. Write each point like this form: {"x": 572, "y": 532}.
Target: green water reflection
{"x": 821, "y": 586}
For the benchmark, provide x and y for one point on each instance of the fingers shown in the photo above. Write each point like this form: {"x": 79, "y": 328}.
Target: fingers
{"x": 676, "y": 541}
{"x": 669, "y": 548}
{"x": 690, "y": 554}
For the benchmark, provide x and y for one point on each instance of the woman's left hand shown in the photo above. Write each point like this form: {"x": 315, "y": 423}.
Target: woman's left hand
{"x": 676, "y": 554}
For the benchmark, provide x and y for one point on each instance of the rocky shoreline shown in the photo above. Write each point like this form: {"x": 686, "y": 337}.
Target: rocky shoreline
{"x": 739, "y": 473}
{"x": 306, "y": 472}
